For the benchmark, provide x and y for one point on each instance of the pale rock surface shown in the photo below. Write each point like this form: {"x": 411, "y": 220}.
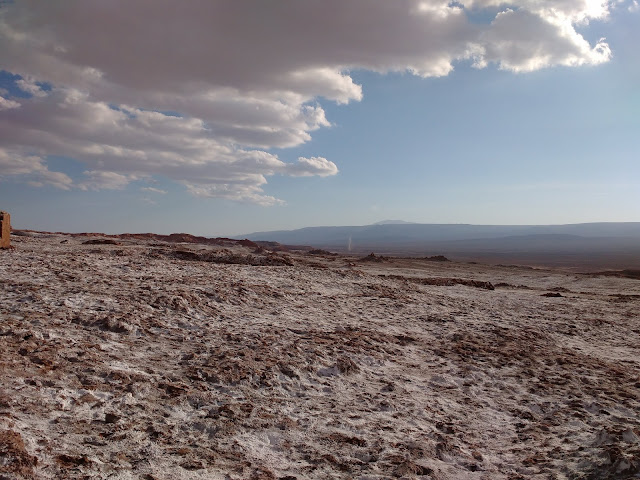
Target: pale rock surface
{"x": 135, "y": 361}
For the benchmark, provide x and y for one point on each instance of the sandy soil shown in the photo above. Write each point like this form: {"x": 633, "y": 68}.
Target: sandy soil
{"x": 150, "y": 360}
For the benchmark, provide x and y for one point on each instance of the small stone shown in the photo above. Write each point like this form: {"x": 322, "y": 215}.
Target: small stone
{"x": 111, "y": 418}
{"x": 87, "y": 398}
{"x": 346, "y": 365}
{"x": 70, "y": 460}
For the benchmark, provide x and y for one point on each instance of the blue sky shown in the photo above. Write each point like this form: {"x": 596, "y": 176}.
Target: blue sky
{"x": 340, "y": 131}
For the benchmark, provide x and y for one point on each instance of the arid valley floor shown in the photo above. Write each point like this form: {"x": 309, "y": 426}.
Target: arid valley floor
{"x": 142, "y": 359}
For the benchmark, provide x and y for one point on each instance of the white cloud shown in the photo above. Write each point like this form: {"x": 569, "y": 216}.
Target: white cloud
{"x": 6, "y": 104}
{"x": 574, "y": 11}
{"x": 307, "y": 167}
{"x": 634, "y": 7}
{"x": 236, "y": 191}
{"x": 33, "y": 169}
{"x": 153, "y": 190}
{"x": 522, "y": 41}
{"x": 242, "y": 77}
{"x": 29, "y": 85}
{"x": 121, "y": 145}
{"x": 104, "y": 181}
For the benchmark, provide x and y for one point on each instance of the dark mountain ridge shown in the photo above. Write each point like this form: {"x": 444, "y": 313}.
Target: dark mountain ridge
{"x": 591, "y": 244}
{"x": 398, "y": 233}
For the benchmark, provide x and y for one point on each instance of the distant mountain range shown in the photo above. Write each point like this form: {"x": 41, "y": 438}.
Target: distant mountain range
{"x": 596, "y": 244}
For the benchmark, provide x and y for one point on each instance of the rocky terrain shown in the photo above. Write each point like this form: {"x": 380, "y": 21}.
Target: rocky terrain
{"x": 143, "y": 358}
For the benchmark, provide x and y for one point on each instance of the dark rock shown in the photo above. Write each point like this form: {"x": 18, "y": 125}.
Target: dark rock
{"x": 73, "y": 461}
{"x": 101, "y": 241}
{"x": 372, "y": 257}
{"x": 319, "y": 251}
{"x": 437, "y": 258}
{"x": 186, "y": 255}
{"x": 345, "y": 365}
{"x": 174, "y": 389}
{"x": 192, "y": 465}
{"x": 111, "y": 418}
{"x": 341, "y": 438}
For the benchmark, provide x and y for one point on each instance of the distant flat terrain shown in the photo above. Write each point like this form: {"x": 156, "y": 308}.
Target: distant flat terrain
{"x": 136, "y": 358}
{"x": 590, "y": 246}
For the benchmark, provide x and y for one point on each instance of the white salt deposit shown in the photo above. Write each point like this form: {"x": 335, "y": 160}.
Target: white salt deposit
{"x": 131, "y": 361}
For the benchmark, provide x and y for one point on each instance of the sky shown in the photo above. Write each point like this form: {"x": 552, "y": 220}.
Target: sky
{"x": 223, "y": 117}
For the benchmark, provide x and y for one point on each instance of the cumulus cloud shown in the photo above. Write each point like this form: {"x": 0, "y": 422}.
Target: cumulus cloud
{"x": 6, "y": 104}
{"x": 536, "y": 42}
{"x": 30, "y": 86}
{"x": 238, "y": 191}
{"x": 97, "y": 180}
{"x": 33, "y": 169}
{"x": 123, "y": 144}
{"x": 307, "y": 167}
{"x": 154, "y": 190}
{"x": 574, "y": 11}
{"x": 201, "y": 91}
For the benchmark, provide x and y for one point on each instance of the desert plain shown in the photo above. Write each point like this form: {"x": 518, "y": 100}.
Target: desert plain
{"x": 138, "y": 358}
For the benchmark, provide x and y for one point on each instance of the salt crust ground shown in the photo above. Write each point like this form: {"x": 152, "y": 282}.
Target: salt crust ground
{"x": 133, "y": 362}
